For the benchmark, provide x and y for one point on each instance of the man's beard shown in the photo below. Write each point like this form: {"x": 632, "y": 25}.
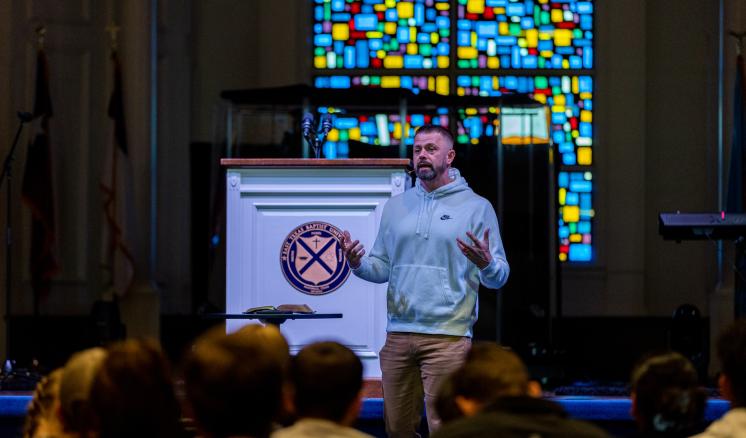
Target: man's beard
{"x": 428, "y": 173}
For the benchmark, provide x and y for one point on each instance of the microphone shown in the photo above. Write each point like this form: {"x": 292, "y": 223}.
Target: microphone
{"x": 307, "y": 127}
{"x": 25, "y": 116}
{"x": 326, "y": 125}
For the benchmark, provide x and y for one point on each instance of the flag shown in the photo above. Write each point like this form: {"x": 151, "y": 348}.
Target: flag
{"x": 36, "y": 190}
{"x": 116, "y": 187}
{"x": 736, "y": 199}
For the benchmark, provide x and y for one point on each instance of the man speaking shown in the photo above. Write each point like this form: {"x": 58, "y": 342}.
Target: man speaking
{"x": 436, "y": 243}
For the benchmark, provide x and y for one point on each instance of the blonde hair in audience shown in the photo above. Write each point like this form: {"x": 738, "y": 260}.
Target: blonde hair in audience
{"x": 41, "y": 418}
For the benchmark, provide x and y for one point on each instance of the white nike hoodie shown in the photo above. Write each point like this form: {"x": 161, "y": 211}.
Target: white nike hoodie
{"x": 432, "y": 285}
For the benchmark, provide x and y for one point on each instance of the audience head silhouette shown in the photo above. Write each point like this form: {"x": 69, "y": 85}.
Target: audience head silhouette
{"x": 234, "y": 382}
{"x": 76, "y": 382}
{"x": 133, "y": 394}
{"x": 490, "y": 372}
{"x": 666, "y": 397}
{"x": 42, "y": 419}
{"x": 327, "y": 378}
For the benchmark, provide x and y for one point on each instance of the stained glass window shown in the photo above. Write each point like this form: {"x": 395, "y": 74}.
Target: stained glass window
{"x": 525, "y": 34}
{"x": 575, "y": 215}
{"x": 540, "y": 47}
{"x": 365, "y": 34}
{"x": 436, "y": 84}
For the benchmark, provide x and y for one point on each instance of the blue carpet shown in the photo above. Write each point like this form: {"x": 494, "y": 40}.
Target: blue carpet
{"x": 580, "y": 407}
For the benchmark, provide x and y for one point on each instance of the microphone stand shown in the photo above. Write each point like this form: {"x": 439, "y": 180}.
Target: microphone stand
{"x": 316, "y": 147}
{"x": 326, "y": 126}
{"x": 315, "y": 143}
{"x": 319, "y": 146}
{"x": 8, "y": 174}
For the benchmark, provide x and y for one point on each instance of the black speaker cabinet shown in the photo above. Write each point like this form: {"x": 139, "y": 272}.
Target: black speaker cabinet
{"x": 520, "y": 182}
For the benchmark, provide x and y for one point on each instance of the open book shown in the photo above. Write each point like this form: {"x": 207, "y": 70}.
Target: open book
{"x": 282, "y": 308}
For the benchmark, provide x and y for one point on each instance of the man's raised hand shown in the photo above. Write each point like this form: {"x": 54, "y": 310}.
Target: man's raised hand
{"x": 353, "y": 250}
{"x": 479, "y": 252}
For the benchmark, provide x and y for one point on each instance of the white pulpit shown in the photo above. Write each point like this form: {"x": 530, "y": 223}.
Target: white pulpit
{"x": 283, "y": 216}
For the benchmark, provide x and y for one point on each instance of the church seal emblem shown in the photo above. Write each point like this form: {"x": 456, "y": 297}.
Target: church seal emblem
{"x": 312, "y": 259}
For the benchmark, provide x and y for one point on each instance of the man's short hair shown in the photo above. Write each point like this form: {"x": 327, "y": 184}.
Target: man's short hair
{"x": 429, "y": 129}
{"x": 490, "y": 372}
{"x": 731, "y": 348}
{"x": 234, "y": 382}
{"x": 327, "y": 377}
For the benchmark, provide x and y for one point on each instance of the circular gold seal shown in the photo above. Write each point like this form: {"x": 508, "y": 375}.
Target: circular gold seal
{"x": 312, "y": 259}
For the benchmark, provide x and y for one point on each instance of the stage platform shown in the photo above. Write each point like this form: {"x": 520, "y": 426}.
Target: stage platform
{"x": 13, "y": 405}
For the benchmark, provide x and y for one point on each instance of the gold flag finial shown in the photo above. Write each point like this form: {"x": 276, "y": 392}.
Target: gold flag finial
{"x": 113, "y": 31}
{"x": 41, "y": 34}
{"x": 739, "y": 36}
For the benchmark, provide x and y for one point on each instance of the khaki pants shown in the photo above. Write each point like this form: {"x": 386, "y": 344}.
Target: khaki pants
{"x": 414, "y": 365}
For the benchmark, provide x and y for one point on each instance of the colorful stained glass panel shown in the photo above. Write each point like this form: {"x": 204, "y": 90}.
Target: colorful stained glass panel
{"x": 374, "y": 129}
{"x": 435, "y": 84}
{"x": 529, "y": 35}
{"x": 570, "y": 100}
{"x": 380, "y": 129}
{"x": 575, "y": 216}
{"x": 381, "y": 34}
{"x": 524, "y": 34}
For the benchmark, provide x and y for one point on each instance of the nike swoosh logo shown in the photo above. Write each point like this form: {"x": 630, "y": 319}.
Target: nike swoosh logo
{"x": 445, "y": 217}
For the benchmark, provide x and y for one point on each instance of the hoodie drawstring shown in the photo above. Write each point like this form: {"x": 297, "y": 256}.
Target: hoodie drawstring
{"x": 425, "y": 215}
{"x": 419, "y": 214}
{"x": 429, "y": 217}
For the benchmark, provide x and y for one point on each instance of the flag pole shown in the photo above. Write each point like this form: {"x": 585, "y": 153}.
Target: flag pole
{"x": 41, "y": 34}
{"x": 8, "y": 174}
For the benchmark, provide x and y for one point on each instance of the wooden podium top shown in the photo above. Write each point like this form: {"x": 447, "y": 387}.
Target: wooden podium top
{"x": 314, "y": 162}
